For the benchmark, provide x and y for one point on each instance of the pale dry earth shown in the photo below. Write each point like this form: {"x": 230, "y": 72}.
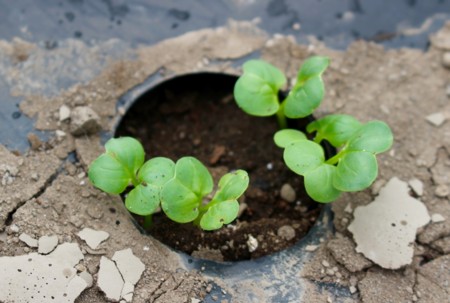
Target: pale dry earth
{"x": 43, "y": 194}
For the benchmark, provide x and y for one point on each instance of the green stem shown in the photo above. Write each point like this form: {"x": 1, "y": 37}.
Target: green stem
{"x": 335, "y": 159}
{"x": 281, "y": 118}
{"x": 148, "y": 221}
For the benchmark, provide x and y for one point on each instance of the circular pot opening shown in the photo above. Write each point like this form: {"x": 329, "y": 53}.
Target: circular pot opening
{"x": 196, "y": 115}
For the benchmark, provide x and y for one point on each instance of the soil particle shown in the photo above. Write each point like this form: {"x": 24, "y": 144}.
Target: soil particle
{"x": 288, "y": 193}
{"x": 442, "y": 191}
{"x": 386, "y": 286}
{"x": 34, "y": 140}
{"x": 417, "y": 186}
{"x": 344, "y": 252}
{"x": 437, "y": 272}
{"x": 286, "y": 232}
{"x": 429, "y": 292}
{"x": 84, "y": 121}
{"x": 64, "y": 113}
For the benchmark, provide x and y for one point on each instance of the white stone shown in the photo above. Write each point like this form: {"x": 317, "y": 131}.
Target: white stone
{"x": 87, "y": 277}
{"x": 252, "y": 243}
{"x": 109, "y": 279}
{"x": 28, "y": 240}
{"x": 436, "y": 218}
{"x": 127, "y": 292}
{"x": 93, "y": 238}
{"x": 14, "y": 228}
{"x": 76, "y": 287}
{"x": 436, "y": 119}
{"x": 130, "y": 266}
{"x": 47, "y": 244}
{"x": 195, "y": 300}
{"x": 384, "y": 229}
{"x": 352, "y": 289}
{"x": 60, "y": 133}
{"x": 417, "y": 186}
{"x": 69, "y": 252}
{"x": 287, "y": 193}
{"x": 26, "y": 278}
{"x": 446, "y": 59}
{"x": 64, "y": 113}
{"x": 311, "y": 248}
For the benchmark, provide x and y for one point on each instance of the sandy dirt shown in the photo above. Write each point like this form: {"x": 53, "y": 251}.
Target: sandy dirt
{"x": 43, "y": 193}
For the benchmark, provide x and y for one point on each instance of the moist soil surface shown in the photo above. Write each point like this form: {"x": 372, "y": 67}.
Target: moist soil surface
{"x": 196, "y": 115}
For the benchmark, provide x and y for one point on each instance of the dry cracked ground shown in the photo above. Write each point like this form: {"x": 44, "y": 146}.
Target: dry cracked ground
{"x": 61, "y": 240}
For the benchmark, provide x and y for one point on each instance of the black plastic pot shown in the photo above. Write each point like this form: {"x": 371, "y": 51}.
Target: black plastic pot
{"x": 272, "y": 278}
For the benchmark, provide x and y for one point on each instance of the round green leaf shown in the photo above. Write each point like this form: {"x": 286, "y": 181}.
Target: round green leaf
{"x": 355, "y": 171}
{"x": 128, "y": 151}
{"x": 194, "y": 175}
{"x": 108, "y": 174}
{"x": 319, "y": 184}
{"x": 303, "y": 156}
{"x": 157, "y": 171}
{"x": 219, "y": 214}
{"x": 337, "y": 129}
{"x": 313, "y": 66}
{"x": 143, "y": 199}
{"x": 374, "y": 136}
{"x": 256, "y": 91}
{"x": 304, "y": 98}
{"x": 179, "y": 203}
{"x": 232, "y": 186}
{"x": 286, "y": 137}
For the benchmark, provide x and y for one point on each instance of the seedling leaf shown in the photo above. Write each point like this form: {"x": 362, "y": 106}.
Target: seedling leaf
{"x": 303, "y": 156}
{"x": 232, "y": 186}
{"x": 355, "y": 171}
{"x": 114, "y": 170}
{"x": 157, "y": 171}
{"x": 336, "y": 129}
{"x": 309, "y": 90}
{"x": 256, "y": 91}
{"x": 179, "y": 203}
{"x": 285, "y": 137}
{"x": 194, "y": 175}
{"x": 319, "y": 183}
{"x": 109, "y": 175}
{"x": 374, "y": 136}
{"x": 128, "y": 151}
{"x": 219, "y": 214}
{"x": 313, "y": 66}
{"x": 143, "y": 199}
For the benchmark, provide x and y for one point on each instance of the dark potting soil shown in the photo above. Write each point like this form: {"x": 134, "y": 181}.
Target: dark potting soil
{"x": 197, "y": 116}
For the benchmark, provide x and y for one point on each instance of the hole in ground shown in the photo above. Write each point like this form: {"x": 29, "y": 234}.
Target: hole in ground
{"x": 196, "y": 115}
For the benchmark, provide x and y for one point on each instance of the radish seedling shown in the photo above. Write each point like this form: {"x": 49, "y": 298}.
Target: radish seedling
{"x": 354, "y": 167}
{"x": 179, "y": 188}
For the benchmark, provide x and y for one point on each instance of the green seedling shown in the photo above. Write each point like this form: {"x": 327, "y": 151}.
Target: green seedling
{"x": 180, "y": 188}
{"x": 354, "y": 168}
{"x": 257, "y": 90}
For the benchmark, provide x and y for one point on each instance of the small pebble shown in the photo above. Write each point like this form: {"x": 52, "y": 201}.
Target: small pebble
{"x": 352, "y": 289}
{"x": 436, "y": 119}
{"x": 446, "y": 59}
{"x": 252, "y": 243}
{"x": 436, "y": 218}
{"x": 325, "y": 263}
{"x": 311, "y": 248}
{"x": 441, "y": 191}
{"x": 64, "y": 113}
{"x": 35, "y": 176}
{"x": 287, "y": 193}
{"x": 286, "y": 232}
{"x": 417, "y": 186}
